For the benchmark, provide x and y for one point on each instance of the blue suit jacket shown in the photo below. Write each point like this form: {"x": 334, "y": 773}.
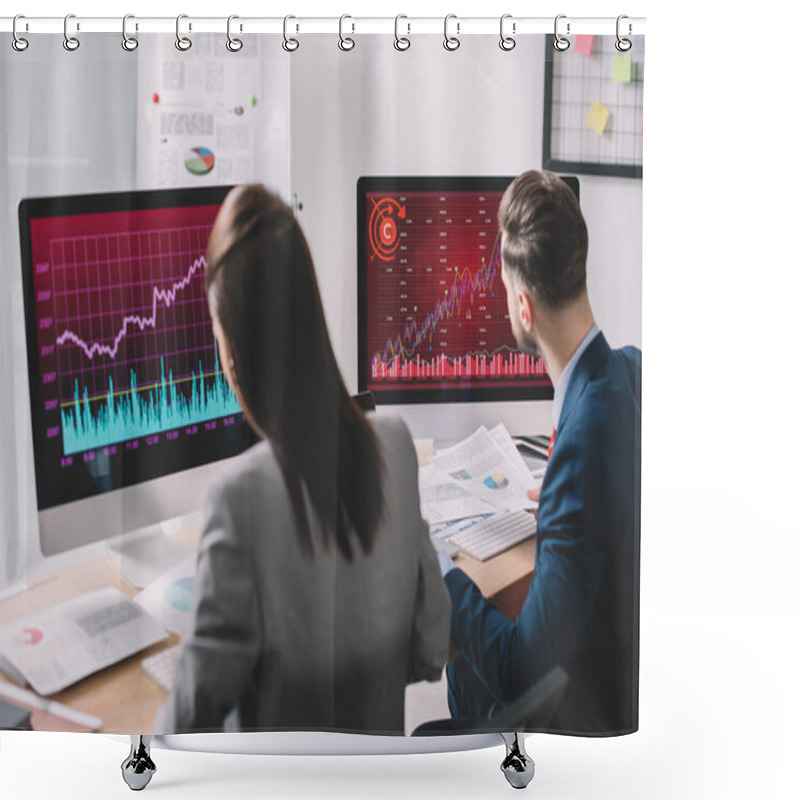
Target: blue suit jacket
{"x": 582, "y": 608}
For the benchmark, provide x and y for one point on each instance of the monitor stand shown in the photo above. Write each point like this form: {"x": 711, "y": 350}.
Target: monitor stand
{"x": 147, "y": 553}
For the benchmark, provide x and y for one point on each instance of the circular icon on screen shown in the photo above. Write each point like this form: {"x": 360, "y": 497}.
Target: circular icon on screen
{"x": 383, "y": 233}
{"x": 388, "y": 232}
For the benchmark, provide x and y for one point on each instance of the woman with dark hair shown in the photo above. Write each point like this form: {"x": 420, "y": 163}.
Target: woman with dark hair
{"x": 318, "y": 595}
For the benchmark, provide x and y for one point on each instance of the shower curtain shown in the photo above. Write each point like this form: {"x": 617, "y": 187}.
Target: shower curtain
{"x": 114, "y": 163}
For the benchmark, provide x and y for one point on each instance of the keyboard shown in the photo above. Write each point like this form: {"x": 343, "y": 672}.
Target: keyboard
{"x": 161, "y": 667}
{"x": 495, "y": 534}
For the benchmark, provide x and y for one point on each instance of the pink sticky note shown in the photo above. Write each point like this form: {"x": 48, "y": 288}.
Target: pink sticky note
{"x": 583, "y": 44}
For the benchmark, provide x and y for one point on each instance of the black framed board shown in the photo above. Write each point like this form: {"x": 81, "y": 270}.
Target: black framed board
{"x": 593, "y": 107}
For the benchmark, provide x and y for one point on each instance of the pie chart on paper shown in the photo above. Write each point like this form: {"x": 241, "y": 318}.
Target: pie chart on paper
{"x": 178, "y": 595}
{"x": 199, "y": 161}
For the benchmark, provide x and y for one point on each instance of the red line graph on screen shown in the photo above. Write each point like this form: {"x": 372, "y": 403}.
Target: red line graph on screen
{"x": 436, "y": 312}
{"x": 466, "y": 283}
{"x": 165, "y": 296}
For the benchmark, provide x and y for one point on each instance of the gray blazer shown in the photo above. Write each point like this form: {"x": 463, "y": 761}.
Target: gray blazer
{"x": 309, "y": 642}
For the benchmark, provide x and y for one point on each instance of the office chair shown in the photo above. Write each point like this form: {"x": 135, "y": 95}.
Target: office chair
{"x": 365, "y": 401}
{"x": 532, "y": 710}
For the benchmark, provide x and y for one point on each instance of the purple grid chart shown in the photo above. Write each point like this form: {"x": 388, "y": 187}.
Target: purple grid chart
{"x": 124, "y": 301}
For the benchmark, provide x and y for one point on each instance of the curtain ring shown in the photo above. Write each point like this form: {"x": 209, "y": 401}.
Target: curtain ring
{"x": 17, "y": 42}
{"x": 346, "y": 42}
{"x": 623, "y": 45}
{"x": 233, "y": 44}
{"x": 507, "y": 42}
{"x": 183, "y": 43}
{"x": 129, "y": 43}
{"x": 559, "y": 42}
{"x": 289, "y": 44}
{"x": 70, "y": 42}
{"x": 451, "y": 43}
{"x": 401, "y": 42}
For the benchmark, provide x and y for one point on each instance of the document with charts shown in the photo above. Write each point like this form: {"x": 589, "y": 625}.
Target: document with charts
{"x": 486, "y": 470}
{"x": 69, "y": 641}
{"x": 444, "y": 499}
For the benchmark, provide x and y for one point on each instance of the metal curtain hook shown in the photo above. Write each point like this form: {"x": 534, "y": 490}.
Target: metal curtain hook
{"x": 401, "y": 42}
{"x": 183, "y": 43}
{"x": 623, "y": 45}
{"x": 17, "y": 42}
{"x": 451, "y": 42}
{"x": 507, "y": 42}
{"x": 70, "y": 42}
{"x": 289, "y": 44}
{"x": 129, "y": 43}
{"x": 560, "y": 43}
{"x": 233, "y": 44}
{"x": 346, "y": 42}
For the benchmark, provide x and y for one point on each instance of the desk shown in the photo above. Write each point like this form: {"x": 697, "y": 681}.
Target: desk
{"x": 127, "y": 700}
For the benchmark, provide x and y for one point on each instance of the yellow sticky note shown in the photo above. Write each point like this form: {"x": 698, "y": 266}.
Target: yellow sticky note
{"x": 622, "y": 68}
{"x": 598, "y": 117}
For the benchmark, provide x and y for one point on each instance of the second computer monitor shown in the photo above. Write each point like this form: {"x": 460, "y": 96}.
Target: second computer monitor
{"x": 433, "y": 321}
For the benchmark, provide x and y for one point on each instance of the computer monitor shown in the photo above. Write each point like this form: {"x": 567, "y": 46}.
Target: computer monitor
{"x": 129, "y": 405}
{"x": 433, "y": 322}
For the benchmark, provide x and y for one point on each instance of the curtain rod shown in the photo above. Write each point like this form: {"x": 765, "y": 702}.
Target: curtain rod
{"x": 408, "y": 26}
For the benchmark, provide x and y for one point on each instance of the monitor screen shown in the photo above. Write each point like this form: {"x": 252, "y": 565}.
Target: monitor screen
{"x": 433, "y": 320}
{"x": 125, "y": 380}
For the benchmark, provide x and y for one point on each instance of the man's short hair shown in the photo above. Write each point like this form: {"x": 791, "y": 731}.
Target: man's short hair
{"x": 545, "y": 239}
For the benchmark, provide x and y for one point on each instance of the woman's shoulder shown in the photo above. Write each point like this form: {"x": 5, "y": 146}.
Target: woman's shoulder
{"x": 253, "y": 469}
{"x": 397, "y": 449}
{"x": 393, "y": 434}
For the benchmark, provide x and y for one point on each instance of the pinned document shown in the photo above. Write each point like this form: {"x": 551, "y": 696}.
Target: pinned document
{"x": 622, "y": 68}
{"x": 583, "y": 44}
{"x": 598, "y": 117}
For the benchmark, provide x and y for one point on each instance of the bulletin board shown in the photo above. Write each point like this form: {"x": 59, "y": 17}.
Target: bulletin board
{"x": 593, "y": 107}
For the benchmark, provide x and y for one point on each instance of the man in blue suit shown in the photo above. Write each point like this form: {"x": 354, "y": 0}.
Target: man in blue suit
{"x": 582, "y": 608}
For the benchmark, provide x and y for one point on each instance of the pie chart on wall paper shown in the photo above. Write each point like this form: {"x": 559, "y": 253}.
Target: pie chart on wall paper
{"x": 199, "y": 161}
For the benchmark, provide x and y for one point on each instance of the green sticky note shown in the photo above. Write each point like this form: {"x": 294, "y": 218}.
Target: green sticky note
{"x": 622, "y": 68}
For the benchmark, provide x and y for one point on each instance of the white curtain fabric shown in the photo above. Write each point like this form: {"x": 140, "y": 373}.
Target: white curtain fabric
{"x": 67, "y": 126}
{"x": 88, "y": 121}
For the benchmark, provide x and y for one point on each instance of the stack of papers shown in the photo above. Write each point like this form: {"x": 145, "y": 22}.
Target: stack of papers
{"x": 480, "y": 476}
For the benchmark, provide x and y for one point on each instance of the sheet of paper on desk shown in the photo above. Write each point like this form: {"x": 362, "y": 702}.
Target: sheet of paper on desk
{"x": 169, "y": 597}
{"x": 481, "y": 466}
{"x": 443, "y": 499}
{"x": 504, "y": 441}
{"x": 74, "y": 639}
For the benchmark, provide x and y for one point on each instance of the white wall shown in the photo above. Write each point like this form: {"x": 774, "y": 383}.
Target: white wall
{"x": 477, "y": 111}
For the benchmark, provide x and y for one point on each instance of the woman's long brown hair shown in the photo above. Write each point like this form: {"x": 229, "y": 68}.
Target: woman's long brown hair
{"x": 263, "y": 292}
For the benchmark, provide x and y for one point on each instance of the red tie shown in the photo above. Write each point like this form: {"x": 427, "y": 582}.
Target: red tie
{"x": 552, "y": 442}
